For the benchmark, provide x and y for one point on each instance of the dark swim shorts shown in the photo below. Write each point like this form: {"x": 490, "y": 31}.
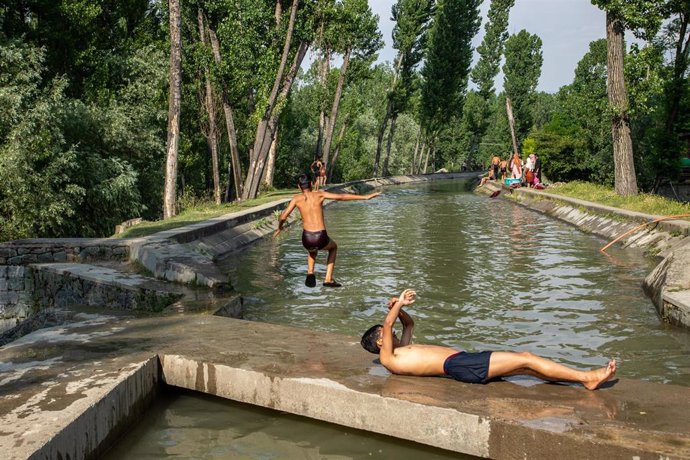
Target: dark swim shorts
{"x": 468, "y": 367}
{"x": 315, "y": 241}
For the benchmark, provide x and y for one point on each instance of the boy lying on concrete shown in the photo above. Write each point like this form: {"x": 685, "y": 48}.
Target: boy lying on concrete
{"x": 401, "y": 357}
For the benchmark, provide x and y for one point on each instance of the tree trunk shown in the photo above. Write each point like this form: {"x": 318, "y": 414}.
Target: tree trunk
{"x": 212, "y": 131}
{"x": 413, "y": 163}
{"x": 172, "y": 146}
{"x": 341, "y": 135}
{"x": 270, "y": 166}
{"x": 625, "y": 180}
{"x": 278, "y": 12}
{"x": 234, "y": 167}
{"x": 418, "y": 166}
{"x": 391, "y": 133}
{"x": 426, "y": 161}
{"x": 511, "y": 122}
{"x": 267, "y": 129}
{"x": 389, "y": 111}
{"x": 263, "y": 137}
{"x": 324, "y": 69}
{"x": 335, "y": 107}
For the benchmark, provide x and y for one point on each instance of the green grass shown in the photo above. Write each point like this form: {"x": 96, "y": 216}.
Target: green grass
{"x": 199, "y": 212}
{"x": 644, "y": 202}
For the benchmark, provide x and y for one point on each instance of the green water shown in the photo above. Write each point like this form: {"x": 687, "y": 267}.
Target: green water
{"x": 192, "y": 426}
{"x": 489, "y": 275}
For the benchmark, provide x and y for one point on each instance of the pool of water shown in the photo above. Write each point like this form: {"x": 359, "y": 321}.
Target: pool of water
{"x": 489, "y": 275}
{"x": 193, "y": 426}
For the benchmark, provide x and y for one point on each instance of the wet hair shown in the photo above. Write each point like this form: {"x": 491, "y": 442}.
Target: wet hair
{"x": 369, "y": 339}
{"x": 304, "y": 182}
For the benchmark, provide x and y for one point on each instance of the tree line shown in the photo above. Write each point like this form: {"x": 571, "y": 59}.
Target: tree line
{"x": 111, "y": 110}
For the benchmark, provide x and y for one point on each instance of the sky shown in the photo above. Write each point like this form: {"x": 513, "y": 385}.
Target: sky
{"x": 566, "y": 27}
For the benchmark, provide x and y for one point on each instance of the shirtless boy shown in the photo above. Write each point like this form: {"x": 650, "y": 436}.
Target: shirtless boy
{"x": 401, "y": 357}
{"x": 314, "y": 235}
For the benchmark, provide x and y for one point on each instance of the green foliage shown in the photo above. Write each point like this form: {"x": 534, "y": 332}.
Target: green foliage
{"x": 522, "y": 70}
{"x": 449, "y": 56}
{"x": 576, "y": 142}
{"x": 496, "y": 140}
{"x": 643, "y": 17}
{"x": 491, "y": 48}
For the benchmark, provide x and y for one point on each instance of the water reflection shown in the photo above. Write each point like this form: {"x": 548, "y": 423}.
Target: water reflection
{"x": 489, "y": 274}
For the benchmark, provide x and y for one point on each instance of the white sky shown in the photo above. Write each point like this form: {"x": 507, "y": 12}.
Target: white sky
{"x": 566, "y": 27}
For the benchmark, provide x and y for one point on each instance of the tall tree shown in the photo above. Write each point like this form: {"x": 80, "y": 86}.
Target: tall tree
{"x": 484, "y": 73}
{"x": 522, "y": 70}
{"x": 447, "y": 67}
{"x": 265, "y": 130}
{"x": 645, "y": 17}
{"x": 326, "y": 12}
{"x": 234, "y": 165}
{"x": 412, "y": 19}
{"x": 209, "y": 103}
{"x": 358, "y": 37}
{"x": 175, "y": 79}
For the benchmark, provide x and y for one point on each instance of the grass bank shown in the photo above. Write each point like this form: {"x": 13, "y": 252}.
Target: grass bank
{"x": 200, "y": 211}
{"x": 644, "y": 202}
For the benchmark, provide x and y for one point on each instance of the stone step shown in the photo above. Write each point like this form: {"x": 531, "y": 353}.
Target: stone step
{"x": 60, "y": 285}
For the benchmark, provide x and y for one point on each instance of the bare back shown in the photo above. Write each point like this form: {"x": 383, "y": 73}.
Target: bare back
{"x": 310, "y": 205}
{"x": 420, "y": 360}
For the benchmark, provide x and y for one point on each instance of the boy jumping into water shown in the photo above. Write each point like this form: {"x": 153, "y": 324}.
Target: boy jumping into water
{"x": 401, "y": 357}
{"x": 314, "y": 235}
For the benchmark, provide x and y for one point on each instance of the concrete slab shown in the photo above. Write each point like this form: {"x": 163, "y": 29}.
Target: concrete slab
{"x": 49, "y": 377}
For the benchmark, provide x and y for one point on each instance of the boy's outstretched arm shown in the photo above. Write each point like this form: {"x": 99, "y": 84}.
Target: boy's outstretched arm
{"x": 348, "y": 196}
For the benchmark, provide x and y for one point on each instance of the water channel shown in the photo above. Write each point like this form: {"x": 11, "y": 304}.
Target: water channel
{"x": 489, "y": 275}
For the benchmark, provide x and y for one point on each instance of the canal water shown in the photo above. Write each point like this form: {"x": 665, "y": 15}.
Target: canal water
{"x": 188, "y": 425}
{"x": 489, "y": 275}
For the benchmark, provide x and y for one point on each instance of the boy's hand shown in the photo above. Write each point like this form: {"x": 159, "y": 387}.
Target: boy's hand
{"x": 407, "y": 297}
{"x": 373, "y": 195}
{"x": 277, "y": 232}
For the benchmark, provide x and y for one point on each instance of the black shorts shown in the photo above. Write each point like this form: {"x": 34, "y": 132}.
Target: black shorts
{"x": 468, "y": 367}
{"x": 315, "y": 241}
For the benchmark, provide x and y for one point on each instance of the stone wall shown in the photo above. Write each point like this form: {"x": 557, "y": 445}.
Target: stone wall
{"x": 15, "y": 295}
{"x": 17, "y": 299}
{"x": 43, "y": 250}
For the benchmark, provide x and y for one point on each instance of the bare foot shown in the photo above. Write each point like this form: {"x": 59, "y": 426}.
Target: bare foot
{"x": 600, "y": 376}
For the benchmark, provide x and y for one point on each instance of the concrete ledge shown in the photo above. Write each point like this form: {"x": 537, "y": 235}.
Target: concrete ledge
{"x": 86, "y": 370}
{"x": 78, "y": 418}
{"x": 328, "y": 400}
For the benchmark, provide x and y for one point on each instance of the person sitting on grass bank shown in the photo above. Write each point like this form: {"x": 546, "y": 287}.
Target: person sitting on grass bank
{"x": 314, "y": 235}
{"x": 399, "y": 356}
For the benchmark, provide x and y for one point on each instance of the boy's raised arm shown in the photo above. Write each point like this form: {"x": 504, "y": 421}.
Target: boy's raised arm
{"x": 407, "y": 297}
